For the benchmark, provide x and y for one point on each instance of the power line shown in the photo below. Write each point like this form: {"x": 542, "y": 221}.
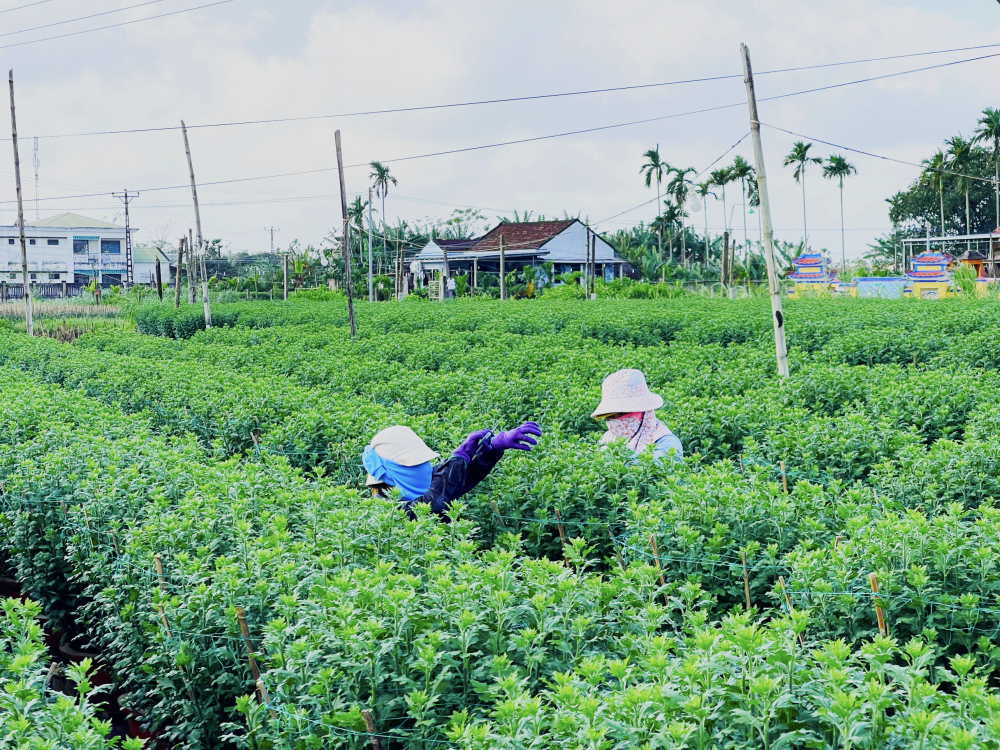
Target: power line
{"x": 115, "y": 26}
{"x": 924, "y": 167}
{"x": 81, "y": 18}
{"x": 533, "y": 139}
{"x": 646, "y": 203}
{"x": 534, "y": 97}
{"x": 28, "y": 5}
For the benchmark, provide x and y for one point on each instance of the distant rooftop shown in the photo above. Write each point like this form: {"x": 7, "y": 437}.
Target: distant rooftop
{"x": 73, "y": 221}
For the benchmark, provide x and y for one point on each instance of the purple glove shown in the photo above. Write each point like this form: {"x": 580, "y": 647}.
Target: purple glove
{"x": 466, "y": 449}
{"x": 519, "y": 438}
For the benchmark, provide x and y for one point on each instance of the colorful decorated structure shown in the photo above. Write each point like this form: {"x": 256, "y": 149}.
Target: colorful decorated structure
{"x": 930, "y": 277}
{"x": 811, "y": 275}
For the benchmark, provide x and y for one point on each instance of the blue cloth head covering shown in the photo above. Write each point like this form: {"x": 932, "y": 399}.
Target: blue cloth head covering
{"x": 412, "y": 481}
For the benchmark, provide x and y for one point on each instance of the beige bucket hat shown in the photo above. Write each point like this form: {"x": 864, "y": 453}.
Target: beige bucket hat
{"x": 400, "y": 445}
{"x": 624, "y": 392}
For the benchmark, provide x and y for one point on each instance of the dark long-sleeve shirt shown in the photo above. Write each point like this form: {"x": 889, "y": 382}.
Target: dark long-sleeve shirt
{"x": 453, "y": 478}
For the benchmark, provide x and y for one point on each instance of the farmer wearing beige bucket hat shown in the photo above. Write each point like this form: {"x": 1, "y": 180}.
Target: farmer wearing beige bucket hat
{"x": 397, "y": 457}
{"x": 628, "y": 409}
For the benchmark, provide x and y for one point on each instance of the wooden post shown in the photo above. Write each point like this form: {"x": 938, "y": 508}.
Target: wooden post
{"x": 370, "y": 726}
{"x": 245, "y": 632}
{"x": 177, "y": 273}
{"x": 475, "y": 273}
{"x": 28, "y": 318}
{"x": 746, "y": 579}
{"x": 347, "y": 236}
{"x": 784, "y": 477}
{"x": 836, "y": 541}
{"x": 503, "y": 269}
{"x": 191, "y": 277}
{"x": 593, "y": 265}
{"x": 879, "y": 614}
{"x": 777, "y": 314}
{"x": 656, "y": 559}
{"x": 284, "y": 278}
{"x": 201, "y": 241}
{"x": 562, "y": 530}
{"x": 725, "y": 260}
{"x": 159, "y": 281}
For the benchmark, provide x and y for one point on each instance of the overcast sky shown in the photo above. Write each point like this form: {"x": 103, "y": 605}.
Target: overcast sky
{"x": 253, "y": 59}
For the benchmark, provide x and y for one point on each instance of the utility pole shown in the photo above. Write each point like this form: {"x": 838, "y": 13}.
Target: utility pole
{"x": 20, "y": 217}
{"x": 725, "y": 259}
{"x": 347, "y": 236}
{"x": 177, "y": 274}
{"x": 159, "y": 280}
{"x": 129, "y": 265}
{"x": 197, "y": 221}
{"x": 777, "y": 315}
{"x": 503, "y": 280}
{"x": 371, "y": 283}
{"x": 37, "y": 164}
{"x": 284, "y": 277}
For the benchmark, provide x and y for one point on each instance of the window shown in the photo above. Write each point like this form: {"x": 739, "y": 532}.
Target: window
{"x": 10, "y": 240}
{"x": 53, "y": 242}
{"x": 81, "y": 246}
{"x": 13, "y": 276}
{"x": 31, "y": 242}
{"x": 33, "y": 276}
{"x": 111, "y": 246}
{"x": 54, "y": 276}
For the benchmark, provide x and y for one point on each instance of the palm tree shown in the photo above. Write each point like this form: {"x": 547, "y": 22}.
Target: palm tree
{"x": 670, "y": 217}
{"x": 959, "y": 155}
{"x": 704, "y": 189}
{"x": 989, "y": 130}
{"x": 799, "y": 155}
{"x": 679, "y": 187}
{"x": 743, "y": 171}
{"x": 381, "y": 179}
{"x": 837, "y": 168}
{"x": 653, "y": 169}
{"x": 934, "y": 177}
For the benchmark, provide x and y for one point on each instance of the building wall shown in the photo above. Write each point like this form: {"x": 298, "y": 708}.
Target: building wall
{"x": 52, "y": 259}
{"x": 571, "y": 246}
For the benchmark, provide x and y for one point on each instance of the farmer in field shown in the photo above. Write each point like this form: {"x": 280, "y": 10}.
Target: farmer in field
{"x": 628, "y": 409}
{"x": 397, "y": 457}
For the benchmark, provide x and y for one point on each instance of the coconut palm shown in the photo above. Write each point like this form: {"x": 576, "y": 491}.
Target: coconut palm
{"x": 837, "y": 168}
{"x": 743, "y": 171}
{"x": 959, "y": 156}
{"x": 381, "y": 179}
{"x": 989, "y": 131}
{"x": 934, "y": 177}
{"x": 799, "y": 156}
{"x": 654, "y": 169}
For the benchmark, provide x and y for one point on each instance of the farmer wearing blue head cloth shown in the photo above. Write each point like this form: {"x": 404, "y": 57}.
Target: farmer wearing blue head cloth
{"x": 397, "y": 457}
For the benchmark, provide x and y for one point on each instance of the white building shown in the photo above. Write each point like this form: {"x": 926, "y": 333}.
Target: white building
{"x": 68, "y": 250}
{"x": 563, "y": 243}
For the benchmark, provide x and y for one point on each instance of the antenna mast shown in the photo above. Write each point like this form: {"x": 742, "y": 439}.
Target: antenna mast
{"x": 129, "y": 266}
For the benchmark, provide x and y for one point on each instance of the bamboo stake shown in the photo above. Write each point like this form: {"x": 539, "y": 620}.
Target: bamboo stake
{"x": 158, "y": 562}
{"x": 656, "y": 559}
{"x": 784, "y": 477}
{"x": 836, "y": 541}
{"x": 372, "y": 731}
{"x": 562, "y": 530}
{"x": 25, "y": 279}
{"x": 879, "y": 614}
{"x": 746, "y": 579}
{"x": 788, "y": 604}
{"x": 347, "y": 237}
{"x": 201, "y": 241}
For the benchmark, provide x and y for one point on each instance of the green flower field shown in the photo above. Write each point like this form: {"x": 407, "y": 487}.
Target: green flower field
{"x": 163, "y": 489}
